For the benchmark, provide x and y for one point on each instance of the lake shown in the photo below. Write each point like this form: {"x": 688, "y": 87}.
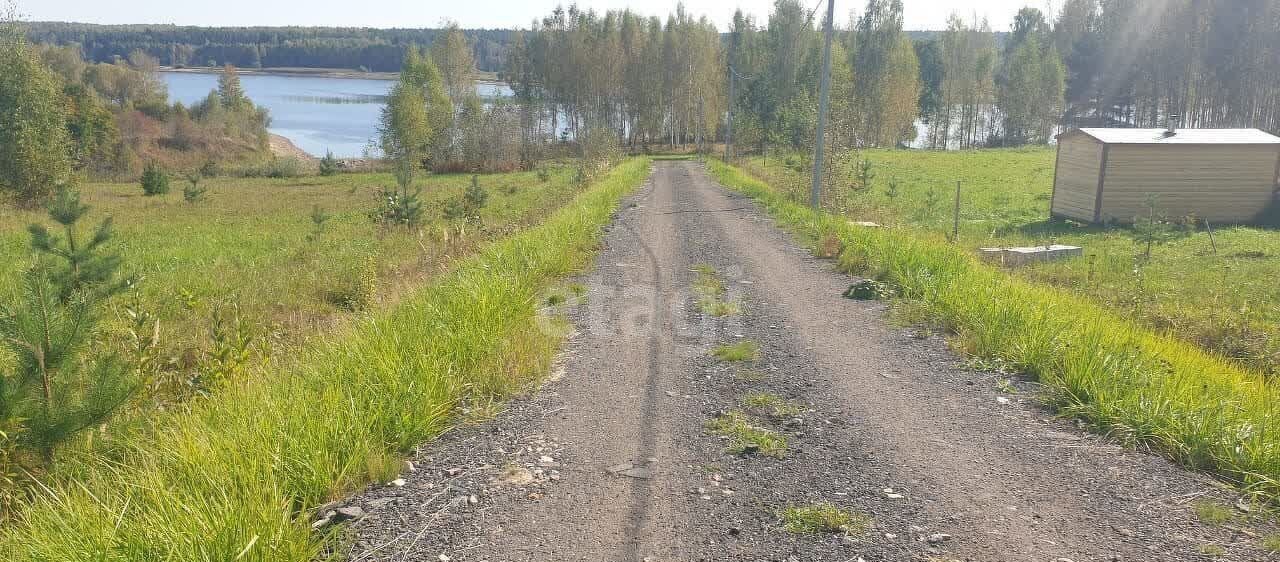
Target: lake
{"x": 316, "y": 113}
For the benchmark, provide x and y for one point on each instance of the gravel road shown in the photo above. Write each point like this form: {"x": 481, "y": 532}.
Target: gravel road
{"x": 612, "y": 460}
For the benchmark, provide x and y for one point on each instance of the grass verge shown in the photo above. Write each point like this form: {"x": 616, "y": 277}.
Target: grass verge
{"x": 1096, "y": 365}
{"x": 235, "y": 477}
{"x": 1216, "y": 291}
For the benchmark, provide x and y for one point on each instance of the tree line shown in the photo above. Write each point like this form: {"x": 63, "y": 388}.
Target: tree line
{"x": 640, "y": 79}
{"x": 378, "y": 50}
{"x": 1108, "y": 63}
{"x": 1101, "y": 63}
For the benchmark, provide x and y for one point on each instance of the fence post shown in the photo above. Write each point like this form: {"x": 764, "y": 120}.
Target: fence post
{"x": 955, "y": 219}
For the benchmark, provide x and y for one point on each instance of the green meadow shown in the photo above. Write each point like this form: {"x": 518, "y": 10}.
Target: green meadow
{"x": 235, "y": 476}
{"x": 252, "y": 244}
{"x": 1112, "y": 369}
{"x": 1217, "y": 292}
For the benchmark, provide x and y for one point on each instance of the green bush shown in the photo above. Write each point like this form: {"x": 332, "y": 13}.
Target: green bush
{"x": 286, "y": 167}
{"x": 56, "y": 388}
{"x": 155, "y": 181}
{"x": 192, "y": 192}
{"x": 328, "y": 164}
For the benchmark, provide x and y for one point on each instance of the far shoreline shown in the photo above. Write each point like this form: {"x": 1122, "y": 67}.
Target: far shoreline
{"x": 482, "y": 77}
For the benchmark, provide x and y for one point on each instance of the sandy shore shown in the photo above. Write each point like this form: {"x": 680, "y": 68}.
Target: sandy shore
{"x": 283, "y": 147}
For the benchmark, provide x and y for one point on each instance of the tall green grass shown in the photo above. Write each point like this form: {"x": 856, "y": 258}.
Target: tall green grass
{"x": 1147, "y": 389}
{"x": 235, "y": 477}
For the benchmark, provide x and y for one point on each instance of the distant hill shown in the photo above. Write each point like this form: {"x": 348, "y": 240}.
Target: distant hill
{"x": 376, "y": 50}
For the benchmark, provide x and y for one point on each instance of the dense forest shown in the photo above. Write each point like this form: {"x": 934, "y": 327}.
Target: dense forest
{"x": 1213, "y": 63}
{"x": 378, "y": 50}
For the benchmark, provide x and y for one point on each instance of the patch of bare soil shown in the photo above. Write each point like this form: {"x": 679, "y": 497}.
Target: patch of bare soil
{"x": 284, "y": 148}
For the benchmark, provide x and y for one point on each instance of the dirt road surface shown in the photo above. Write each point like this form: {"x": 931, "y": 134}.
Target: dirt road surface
{"x": 612, "y": 459}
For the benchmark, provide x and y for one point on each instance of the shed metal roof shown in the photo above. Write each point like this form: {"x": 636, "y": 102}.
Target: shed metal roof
{"x": 1183, "y": 136}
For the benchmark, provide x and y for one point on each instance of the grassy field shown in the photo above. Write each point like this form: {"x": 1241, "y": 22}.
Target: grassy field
{"x": 235, "y": 477}
{"x": 1096, "y": 363}
{"x": 247, "y": 245}
{"x": 1225, "y": 301}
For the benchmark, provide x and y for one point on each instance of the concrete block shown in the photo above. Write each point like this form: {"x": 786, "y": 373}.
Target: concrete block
{"x": 1013, "y": 257}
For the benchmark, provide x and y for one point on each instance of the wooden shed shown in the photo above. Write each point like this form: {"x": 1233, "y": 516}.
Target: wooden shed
{"x": 1222, "y": 175}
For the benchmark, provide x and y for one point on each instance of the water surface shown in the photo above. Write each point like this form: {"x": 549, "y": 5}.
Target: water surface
{"x": 316, "y": 113}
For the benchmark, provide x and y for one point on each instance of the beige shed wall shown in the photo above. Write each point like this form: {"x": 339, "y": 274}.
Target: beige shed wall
{"x": 1075, "y": 187}
{"x": 1218, "y": 183}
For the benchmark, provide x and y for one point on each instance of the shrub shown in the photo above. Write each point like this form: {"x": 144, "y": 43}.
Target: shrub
{"x": 227, "y": 360}
{"x": 868, "y": 289}
{"x": 475, "y": 196}
{"x": 318, "y": 219}
{"x": 287, "y": 167}
{"x": 155, "y": 181}
{"x": 467, "y": 206}
{"x": 192, "y": 192}
{"x": 399, "y": 206}
{"x": 328, "y": 164}
{"x": 356, "y": 289}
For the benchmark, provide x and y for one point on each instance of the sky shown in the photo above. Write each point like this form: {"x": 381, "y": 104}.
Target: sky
{"x": 919, "y": 14}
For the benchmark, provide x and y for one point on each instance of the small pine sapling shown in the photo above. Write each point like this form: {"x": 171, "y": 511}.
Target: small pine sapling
{"x": 1153, "y": 228}
{"x": 475, "y": 197}
{"x": 192, "y": 192}
{"x": 865, "y": 173}
{"x": 466, "y": 208}
{"x": 328, "y": 164}
{"x": 318, "y": 220}
{"x": 56, "y": 386}
{"x": 399, "y": 206}
{"x": 155, "y": 181}
{"x": 892, "y": 191}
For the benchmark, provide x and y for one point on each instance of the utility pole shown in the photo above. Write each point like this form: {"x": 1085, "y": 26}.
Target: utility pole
{"x": 728, "y": 132}
{"x": 701, "y": 124}
{"x": 815, "y": 194}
